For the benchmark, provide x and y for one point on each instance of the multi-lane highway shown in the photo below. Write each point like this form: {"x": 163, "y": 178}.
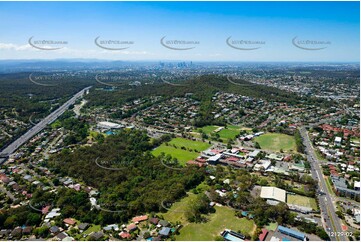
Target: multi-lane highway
{"x": 327, "y": 207}
{"x": 41, "y": 125}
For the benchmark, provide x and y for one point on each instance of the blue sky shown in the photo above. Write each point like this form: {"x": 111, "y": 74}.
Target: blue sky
{"x": 273, "y": 25}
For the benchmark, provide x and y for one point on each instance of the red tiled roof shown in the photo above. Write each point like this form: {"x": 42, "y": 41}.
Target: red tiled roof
{"x": 131, "y": 227}
{"x": 69, "y": 221}
{"x": 140, "y": 218}
{"x": 45, "y": 210}
{"x": 201, "y": 160}
{"x": 232, "y": 158}
{"x": 263, "y": 235}
{"x": 216, "y": 151}
{"x": 124, "y": 235}
{"x": 4, "y": 178}
{"x": 154, "y": 220}
{"x": 192, "y": 162}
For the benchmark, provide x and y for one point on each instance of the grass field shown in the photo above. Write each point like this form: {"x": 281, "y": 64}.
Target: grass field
{"x": 302, "y": 201}
{"x": 225, "y": 134}
{"x": 189, "y": 144}
{"x": 229, "y": 133}
{"x": 276, "y": 142}
{"x": 182, "y": 155}
{"x": 178, "y": 209}
{"x": 209, "y": 129}
{"x": 223, "y": 218}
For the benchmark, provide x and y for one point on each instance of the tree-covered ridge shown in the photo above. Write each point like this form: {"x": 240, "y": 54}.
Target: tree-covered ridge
{"x": 136, "y": 182}
{"x": 202, "y": 88}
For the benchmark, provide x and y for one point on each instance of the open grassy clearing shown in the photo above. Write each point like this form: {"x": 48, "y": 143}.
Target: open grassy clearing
{"x": 182, "y": 155}
{"x": 209, "y": 129}
{"x": 178, "y": 210}
{"x": 276, "y": 142}
{"x": 229, "y": 132}
{"x": 189, "y": 144}
{"x": 223, "y": 218}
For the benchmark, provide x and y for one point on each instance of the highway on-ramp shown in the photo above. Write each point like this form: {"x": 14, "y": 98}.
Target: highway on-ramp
{"x": 41, "y": 125}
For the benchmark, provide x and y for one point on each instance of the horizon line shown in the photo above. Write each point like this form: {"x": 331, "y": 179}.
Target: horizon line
{"x": 175, "y": 60}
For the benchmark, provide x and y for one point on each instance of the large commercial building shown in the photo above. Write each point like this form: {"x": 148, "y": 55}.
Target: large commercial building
{"x": 109, "y": 125}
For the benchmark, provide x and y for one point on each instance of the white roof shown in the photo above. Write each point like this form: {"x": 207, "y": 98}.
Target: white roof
{"x": 215, "y": 157}
{"x": 338, "y": 139}
{"x": 254, "y": 153}
{"x": 357, "y": 184}
{"x": 273, "y": 193}
{"x": 109, "y": 125}
{"x": 263, "y": 163}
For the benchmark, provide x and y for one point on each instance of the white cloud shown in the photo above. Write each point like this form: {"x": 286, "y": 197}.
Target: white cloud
{"x": 70, "y": 52}
{"x": 10, "y": 46}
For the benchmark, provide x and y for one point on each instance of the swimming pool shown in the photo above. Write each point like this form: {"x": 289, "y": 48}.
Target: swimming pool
{"x": 230, "y": 237}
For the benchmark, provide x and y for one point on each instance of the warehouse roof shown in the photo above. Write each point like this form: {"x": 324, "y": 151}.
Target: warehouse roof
{"x": 110, "y": 125}
{"x": 273, "y": 193}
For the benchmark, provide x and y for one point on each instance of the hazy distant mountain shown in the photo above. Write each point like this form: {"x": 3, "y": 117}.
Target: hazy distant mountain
{"x": 8, "y": 66}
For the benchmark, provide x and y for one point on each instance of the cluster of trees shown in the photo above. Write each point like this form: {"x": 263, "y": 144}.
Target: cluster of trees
{"x": 24, "y": 215}
{"x": 75, "y": 204}
{"x": 78, "y": 129}
{"x": 310, "y": 185}
{"x": 24, "y": 100}
{"x": 197, "y": 208}
{"x": 311, "y": 228}
{"x": 18, "y": 92}
{"x": 137, "y": 182}
{"x": 299, "y": 142}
